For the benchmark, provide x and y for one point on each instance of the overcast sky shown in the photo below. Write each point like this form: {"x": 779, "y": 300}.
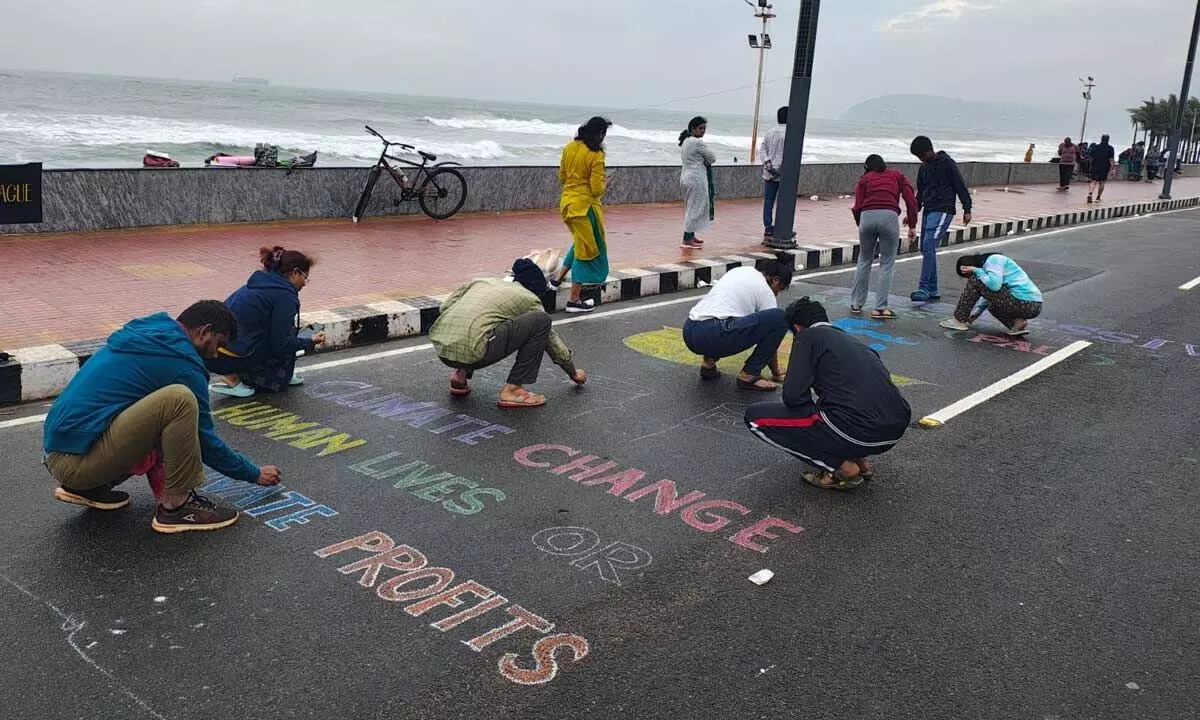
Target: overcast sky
{"x": 620, "y": 53}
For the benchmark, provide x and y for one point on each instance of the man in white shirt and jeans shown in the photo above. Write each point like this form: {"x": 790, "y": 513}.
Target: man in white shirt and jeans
{"x": 739, "y": 313}
{"x": 772, "y": 153}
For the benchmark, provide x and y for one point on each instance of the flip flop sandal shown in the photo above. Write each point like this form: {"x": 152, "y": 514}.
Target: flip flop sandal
{"x": 709, "y": 373}
{"x": 753, "y": 385}
{"x": 855, "y": 310}
{"x": 817, "y": 480}
{"x": 525, "y": 396}
{"x": 459, "y": 390}
{"x": 1017, "y": 333}
{"x": 884, "y": 314}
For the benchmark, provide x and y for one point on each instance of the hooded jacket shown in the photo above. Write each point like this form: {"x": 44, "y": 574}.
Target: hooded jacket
{"x": 146, "y": 355}
{"x": 938, "y": 183}
{"x": 267, "y": 308}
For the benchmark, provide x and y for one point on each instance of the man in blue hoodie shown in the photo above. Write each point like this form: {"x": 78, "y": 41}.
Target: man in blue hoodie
{"x": 938, "y": 183}
{"x": 147, "y": 390}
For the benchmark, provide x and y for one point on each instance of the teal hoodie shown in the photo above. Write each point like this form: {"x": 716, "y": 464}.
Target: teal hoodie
{"x": 146, "y": 355}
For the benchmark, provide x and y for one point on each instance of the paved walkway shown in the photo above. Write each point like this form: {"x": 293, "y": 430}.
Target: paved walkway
{"x": 80, "y": 286}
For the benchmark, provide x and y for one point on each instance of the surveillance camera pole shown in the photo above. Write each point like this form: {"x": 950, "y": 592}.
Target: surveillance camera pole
{"x": 763, "y": 11}
{"x": 1177, "y": 127}
{"x": 793, "y": 145}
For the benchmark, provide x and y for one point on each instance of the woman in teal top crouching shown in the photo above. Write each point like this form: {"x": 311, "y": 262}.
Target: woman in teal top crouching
{"x": 997, "y": 284}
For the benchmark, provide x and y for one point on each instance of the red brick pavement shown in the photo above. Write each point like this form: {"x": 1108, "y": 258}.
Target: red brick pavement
{"x": 79, "y": 286}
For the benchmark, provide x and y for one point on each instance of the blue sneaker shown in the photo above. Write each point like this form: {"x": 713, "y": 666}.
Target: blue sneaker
{"x": 919, "y": 296}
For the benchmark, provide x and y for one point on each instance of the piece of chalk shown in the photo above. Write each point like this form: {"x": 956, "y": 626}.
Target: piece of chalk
{"x": 762, "y": 577}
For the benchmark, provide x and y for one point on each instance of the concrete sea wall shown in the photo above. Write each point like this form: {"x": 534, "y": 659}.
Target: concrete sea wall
{"x": 82, "y": 200}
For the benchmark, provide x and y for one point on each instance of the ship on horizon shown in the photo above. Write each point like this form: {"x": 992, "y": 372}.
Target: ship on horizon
{"x": 247, "y": 80}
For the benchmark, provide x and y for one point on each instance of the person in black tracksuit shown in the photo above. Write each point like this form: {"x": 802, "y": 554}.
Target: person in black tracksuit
{"x": 839, "y": 403}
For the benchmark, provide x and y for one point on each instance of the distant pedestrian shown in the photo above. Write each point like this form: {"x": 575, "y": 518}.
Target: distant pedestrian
{"x": 1085, "y": 160}
{"x": 486, "y": 320}
{"x": 772, "y": 153}
{"x": 997, "y": 284}
{"x": 1103, "y": 162}
{"x": 1068, "y": 155}
{"x": 939, "y": 182}
{"x": 739, "y": 313}
{"x": 267, "y": 308}
{"x": 1029, "y": 153}
{"x": 877, "y": 214}
{"x": 839, "y": 403}
{"x": 696, "y": 181}
{"x": 1154, "y": 161}
{"x": 581, "y": 175}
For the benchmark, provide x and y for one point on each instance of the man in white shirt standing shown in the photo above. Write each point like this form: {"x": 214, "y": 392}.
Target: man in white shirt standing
{"x": 772, "y": 154}
{"x": 739, "y": 313}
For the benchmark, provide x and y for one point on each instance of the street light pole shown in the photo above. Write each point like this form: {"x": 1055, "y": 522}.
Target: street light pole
{"x": 762, "y": 43}
{"x": 1173, "y": 150}
{"x": 793, "y": 144}
{"x": 1087, "y": 100}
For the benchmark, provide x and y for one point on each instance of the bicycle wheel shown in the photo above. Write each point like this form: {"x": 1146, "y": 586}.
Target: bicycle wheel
{"x": 361, "y": 209}
{"x": 443, "y": 193}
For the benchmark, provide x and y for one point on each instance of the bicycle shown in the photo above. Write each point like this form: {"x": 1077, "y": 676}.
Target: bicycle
{"x": 440, "y": 194}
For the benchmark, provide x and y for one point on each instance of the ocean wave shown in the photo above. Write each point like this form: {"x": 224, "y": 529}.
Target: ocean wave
{"x": 567, "y": 130}
{"x": 99, "y": 131}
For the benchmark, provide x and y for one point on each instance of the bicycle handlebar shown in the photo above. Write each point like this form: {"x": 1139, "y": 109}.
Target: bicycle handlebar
{"x": 386, "y": 141}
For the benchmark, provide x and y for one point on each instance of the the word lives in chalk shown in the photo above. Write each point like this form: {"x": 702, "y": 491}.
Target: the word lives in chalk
{"x": 275, "y": 424}
{"x": 243, "y": 495}
{"x": 696, "y": 509}
{"x": 428, "y": 483}
{"x": 584, "y": 549}
{"x": 426, "y": 590}
{"x": 400, "y": 408}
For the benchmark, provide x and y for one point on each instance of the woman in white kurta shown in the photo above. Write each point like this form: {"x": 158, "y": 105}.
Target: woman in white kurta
{"x": 696, "y": 181}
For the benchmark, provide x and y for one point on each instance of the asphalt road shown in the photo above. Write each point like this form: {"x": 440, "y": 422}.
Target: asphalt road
{"x": 1036, "y": 557}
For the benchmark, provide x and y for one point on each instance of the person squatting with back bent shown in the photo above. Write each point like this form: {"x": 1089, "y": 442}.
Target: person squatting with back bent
{"x": 997, "y": 284}
{"x": 267, "y": 308}
{"x": 839, "y": 403}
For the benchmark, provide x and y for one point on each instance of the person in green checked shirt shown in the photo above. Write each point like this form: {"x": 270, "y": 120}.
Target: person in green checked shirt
{"x": 487, "y": 320}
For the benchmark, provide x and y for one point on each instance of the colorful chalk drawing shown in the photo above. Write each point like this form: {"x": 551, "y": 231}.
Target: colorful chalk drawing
{"x": 243, "y": 495}
{"x": 283, "y": 426}
{"x": 412, "y": 566}
{"x": 667, "y": 344}
{"x": 864, "y": 328}
{"x": 428, "y": 483}
{"x": 584, "y": 549}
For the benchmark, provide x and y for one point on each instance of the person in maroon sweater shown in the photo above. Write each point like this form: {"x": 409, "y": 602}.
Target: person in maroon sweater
{"x": 877, "y": 214}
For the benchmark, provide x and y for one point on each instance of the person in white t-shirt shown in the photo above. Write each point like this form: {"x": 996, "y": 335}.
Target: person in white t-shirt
{"x": 772, "y": 155}
{"x": 739, "y": 313}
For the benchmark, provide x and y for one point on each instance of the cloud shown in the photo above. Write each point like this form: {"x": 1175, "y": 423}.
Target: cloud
{"x": 919, "y": 18}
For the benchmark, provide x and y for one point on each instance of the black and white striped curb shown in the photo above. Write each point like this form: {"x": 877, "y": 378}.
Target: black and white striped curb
{"x": 38, "y": 373}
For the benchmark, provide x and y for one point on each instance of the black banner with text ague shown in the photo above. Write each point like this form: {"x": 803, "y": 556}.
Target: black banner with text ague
{"x": 20, "y": 194}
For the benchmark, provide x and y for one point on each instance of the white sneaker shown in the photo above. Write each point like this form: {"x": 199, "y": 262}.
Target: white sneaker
{"x": 952, "y": 324}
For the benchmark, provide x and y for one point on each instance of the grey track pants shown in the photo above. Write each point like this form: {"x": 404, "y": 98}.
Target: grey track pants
{"x": 876, "y": 229}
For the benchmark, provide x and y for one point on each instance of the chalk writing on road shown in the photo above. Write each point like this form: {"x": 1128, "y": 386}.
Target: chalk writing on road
{"x": 584, "y": 549}
{"x": 704, "y": 514}
{"x": 243, "y": 495}
{"x": 425, "y": 588}
{"x": 667, "y": 344}
{"x": 276, "y": 424}
{"x": 428, "y": 416}
{"x": 428, "y": 483}
{"x": 865, "y": 328}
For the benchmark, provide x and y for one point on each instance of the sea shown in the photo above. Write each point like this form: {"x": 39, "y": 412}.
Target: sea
{"x": 97, "y": 121}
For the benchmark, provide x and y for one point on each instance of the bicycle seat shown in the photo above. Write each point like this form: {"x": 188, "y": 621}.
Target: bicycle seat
{"x": 428, "y": 156}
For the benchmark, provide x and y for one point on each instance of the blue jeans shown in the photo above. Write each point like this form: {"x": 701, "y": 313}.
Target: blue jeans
{"x": 933, "y": 231}
{"x": 770, "y": 195}
{"x": 722, "y": 337}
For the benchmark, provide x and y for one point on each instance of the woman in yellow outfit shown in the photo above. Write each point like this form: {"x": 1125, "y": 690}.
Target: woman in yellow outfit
{"x": 581, "y": 174}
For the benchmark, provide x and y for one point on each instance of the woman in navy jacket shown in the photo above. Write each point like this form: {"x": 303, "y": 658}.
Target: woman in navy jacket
{"x": 267, "y": 308}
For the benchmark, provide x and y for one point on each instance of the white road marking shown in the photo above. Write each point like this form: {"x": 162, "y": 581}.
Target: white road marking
{"x": 1190, "y": 284}
{"x": 21, "y": 421}
{"x": 944, "y": 415}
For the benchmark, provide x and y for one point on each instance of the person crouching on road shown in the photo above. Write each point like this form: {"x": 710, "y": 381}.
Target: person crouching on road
{"x": 839, "y": 403}
{"x": 741, "y": 312}
{"x": 267, "y": 308}
{"x": 487, "y": 320}
{"x": 997, "y": 284}
{"x": 145, "y": 393}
